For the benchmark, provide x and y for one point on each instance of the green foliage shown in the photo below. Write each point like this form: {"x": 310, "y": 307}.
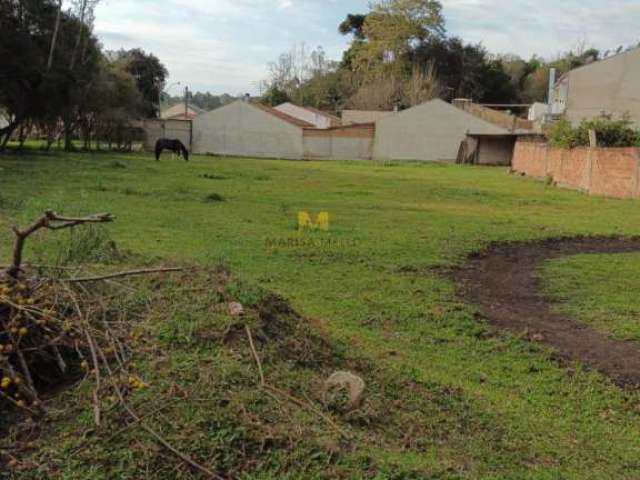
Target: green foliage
{"x": 149, "y": 73}
{"x": 90, "y": 244}
{"x": 396, "y": 39}
{"x": 274, "y": 97}
{"x": 562, "y": 134}
{"x": 610, "y": 132}
{"x": 353, "y": 25}
{"x": 77, "y": 91}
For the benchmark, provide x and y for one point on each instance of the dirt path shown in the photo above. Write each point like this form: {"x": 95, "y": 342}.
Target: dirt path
{"x": 502, "y": 282}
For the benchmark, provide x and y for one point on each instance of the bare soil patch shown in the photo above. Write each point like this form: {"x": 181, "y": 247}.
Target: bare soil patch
{"x": 502, "y": 280}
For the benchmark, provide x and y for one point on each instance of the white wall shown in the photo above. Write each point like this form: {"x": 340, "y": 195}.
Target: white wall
{"x": 537, "y": 111}
{"x": 320, "y": 121}
{"x": 240, "y": 129}
{"x": 432, "y": 131}
{"x": 611, "y": 86}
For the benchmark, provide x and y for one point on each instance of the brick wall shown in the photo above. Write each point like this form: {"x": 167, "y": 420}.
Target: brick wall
{"x": 609, "y": 172}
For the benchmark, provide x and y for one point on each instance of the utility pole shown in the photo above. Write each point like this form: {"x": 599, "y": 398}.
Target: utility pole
{"x": 186, "y": 102}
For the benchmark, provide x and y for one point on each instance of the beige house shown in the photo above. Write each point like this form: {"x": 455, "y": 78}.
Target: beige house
{"x": 247, "y": 129}
{"x": 311, "y": 115}
{"x": 177, "y": 112}
{"x": 433, "y": 131}
{"x": 358, "y": 117}
{"x": 610, "y": 86}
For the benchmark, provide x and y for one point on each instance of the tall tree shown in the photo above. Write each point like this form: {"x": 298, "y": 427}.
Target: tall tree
{"x": 150, "y": 75}
{"x": 353, "y": 25}
{"x": 394, "y": 26}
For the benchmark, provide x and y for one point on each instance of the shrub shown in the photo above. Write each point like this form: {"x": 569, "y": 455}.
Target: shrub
{"x": 609, "y": 132}
{"x": 562, "y": 134}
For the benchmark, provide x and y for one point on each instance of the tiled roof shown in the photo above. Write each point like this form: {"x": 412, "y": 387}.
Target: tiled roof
{"x": 283, "y": 116}
{"x": 324, "y": 114}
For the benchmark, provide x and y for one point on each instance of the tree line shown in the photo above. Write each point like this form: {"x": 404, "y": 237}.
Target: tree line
{"x": 400, "y": 56}
{"x": 56, "y": 80}
{"x": 204, "y": 100}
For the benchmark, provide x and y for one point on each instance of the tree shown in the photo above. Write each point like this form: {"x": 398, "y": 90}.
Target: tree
{"x": 54, "y": 39}
{"x": 393, "y": 27}
{"x": 274, "y": 97}
{"x": 113, "y": 101}
{"x": 150, "y": 76}
{"x": 53, "y": 73}
{"x": 353, "y": 25}
{"x": 423, "y": 85}
{"x": 27, "y": 28}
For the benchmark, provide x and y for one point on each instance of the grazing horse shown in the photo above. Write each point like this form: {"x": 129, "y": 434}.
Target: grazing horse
{"x": 176, "y": 146}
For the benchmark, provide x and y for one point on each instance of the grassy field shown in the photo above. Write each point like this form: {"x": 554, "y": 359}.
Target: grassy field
{"x": 600, "y": 290}
{"x": 497, "y": 406}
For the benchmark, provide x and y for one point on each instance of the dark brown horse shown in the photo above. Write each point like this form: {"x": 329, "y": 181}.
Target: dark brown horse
{"x": 176, "y": 146}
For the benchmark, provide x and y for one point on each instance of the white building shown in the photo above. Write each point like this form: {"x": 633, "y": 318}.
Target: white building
{"x": 433, "y": 131}
{"x": 246, "y": 129}
{"x": 177, "y": 112}
{"x": 609, "y": 86}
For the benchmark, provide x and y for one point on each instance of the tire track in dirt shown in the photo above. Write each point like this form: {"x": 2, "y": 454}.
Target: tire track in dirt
{"x": 502, "y": 281}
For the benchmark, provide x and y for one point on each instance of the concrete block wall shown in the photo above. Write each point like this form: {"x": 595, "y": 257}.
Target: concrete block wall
{"x": 609, "y": 172}
{"x": 341, "y": 143}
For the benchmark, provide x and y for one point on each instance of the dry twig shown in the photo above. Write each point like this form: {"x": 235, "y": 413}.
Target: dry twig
{"x": 131, "y": 273}
{"x": 52, "y": 221}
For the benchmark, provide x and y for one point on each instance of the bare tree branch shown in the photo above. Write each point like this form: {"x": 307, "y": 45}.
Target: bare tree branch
{"x": 52, "y": 221}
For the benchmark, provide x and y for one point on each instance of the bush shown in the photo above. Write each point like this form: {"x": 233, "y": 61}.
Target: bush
{"x": 562, "y": 134}
{"x": 609, "y": 132}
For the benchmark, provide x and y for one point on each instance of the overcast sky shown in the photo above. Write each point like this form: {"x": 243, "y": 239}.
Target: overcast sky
{"x": 224, "y": 45}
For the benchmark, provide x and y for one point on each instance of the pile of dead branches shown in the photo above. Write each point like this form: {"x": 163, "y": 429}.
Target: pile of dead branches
{"x": 55, "y": 328}
{"x": 43, "y": 324}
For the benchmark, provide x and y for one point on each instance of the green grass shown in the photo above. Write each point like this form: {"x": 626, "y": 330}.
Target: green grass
{"x": 600, "y": 290}
{"x": 514, "y": 413}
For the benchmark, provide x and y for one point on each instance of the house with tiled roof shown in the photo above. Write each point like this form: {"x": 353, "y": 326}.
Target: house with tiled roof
{"x": 311, "y": 115}
{"x": 177, "y": 112}
{"x": 248, "y": 129}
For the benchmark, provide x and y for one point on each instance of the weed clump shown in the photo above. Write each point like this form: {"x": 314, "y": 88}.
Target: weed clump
{"x": 211, "y": 176}
{"x": 214, "y": 198}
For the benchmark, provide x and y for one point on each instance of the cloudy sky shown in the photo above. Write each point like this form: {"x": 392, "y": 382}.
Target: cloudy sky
{"x": 224, "y": 45}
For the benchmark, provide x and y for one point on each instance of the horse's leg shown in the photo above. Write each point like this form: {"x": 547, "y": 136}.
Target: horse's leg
{"x": 158, "y": 152}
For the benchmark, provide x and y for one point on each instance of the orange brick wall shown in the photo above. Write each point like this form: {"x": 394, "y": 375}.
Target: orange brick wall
{"x": 609, "y": 172}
